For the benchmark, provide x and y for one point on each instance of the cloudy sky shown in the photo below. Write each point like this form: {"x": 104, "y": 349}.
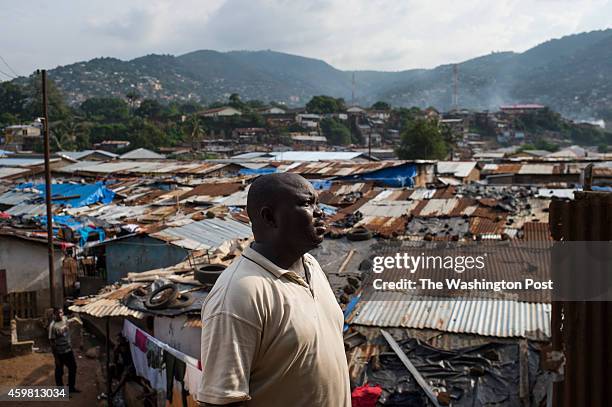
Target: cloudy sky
{"x": 349, "y": 34}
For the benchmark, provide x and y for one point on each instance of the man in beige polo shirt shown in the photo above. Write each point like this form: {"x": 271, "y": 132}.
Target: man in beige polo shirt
{"x": 271, "y": 326}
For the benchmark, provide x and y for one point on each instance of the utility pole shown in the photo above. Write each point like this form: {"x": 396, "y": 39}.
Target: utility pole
{"x": 48, "y": 188}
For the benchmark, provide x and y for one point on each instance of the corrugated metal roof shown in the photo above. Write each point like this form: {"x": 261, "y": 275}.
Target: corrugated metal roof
{"x": 438, "y": 207}
{"x": 498, "y": 318}
{"x": 28, "y": 209}
{"x": 385, "y": 226}
{"x": 536, "y": 169}
{"x": 386, "y": 208}
{"x": 8, "y": 172}
{"x": 108, "y": 304}
{"x": 17, "y": 197}
{"x": 536, "y": 231}
{"x": 141, "y": 154}
{"x": 143, "y": 167}
{"x": 422, "y": 193}
{"x": 238, "y": 198}
{"x": 460, "y": 169}
{"x": 210, "y": 191}
{"x": 21, "y": 162}
{"x": 206, "y": 234}
{"x": 556, "y": 192}
{"x": 299, "y": 155}
{"x": 77, "y": 155}
{"x": 339, "y": 169}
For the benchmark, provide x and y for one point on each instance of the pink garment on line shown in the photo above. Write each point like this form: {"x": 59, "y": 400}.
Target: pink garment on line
{"x": 141, "y": 341}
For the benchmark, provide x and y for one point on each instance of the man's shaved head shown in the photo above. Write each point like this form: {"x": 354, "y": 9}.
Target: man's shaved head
{"x": 285, "y": 216}
{"x": 268, "y": 189}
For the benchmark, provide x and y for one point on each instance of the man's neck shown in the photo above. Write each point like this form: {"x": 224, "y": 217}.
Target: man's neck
{"x": 282, "y": 258}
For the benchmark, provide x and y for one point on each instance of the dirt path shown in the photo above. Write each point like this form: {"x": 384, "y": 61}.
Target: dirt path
{"x": 37, "y": 369}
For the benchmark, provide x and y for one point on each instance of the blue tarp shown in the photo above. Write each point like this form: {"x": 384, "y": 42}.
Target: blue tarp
{"x": 328, "y": 209}
{"x": 82, "y": 194}
{"x": 601, "y": 188}
{"x": 257, "y": 171}
{"x": 400, "y": 176}
{"x": 68, "y": 221}
{"x": 321, "y": 184}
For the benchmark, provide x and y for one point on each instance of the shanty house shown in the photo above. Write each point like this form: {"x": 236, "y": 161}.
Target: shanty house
{"x": 24, "y": 274}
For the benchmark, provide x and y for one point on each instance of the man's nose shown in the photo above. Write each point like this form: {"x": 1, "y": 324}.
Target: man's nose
{"x": 318, "y": 213}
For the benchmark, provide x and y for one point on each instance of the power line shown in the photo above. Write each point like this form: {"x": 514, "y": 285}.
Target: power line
{"x": 7, "y": 75}
{"x": 9, "y": 67}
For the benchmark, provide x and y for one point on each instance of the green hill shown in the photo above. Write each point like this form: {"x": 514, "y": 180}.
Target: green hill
{"x": 572, "y": 75}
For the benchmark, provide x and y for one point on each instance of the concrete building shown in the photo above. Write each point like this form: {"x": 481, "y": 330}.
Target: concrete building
{"x": 24, "y": 274}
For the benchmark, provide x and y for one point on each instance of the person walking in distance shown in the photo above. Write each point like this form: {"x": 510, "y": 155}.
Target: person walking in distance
{"x": 59, "y": 336}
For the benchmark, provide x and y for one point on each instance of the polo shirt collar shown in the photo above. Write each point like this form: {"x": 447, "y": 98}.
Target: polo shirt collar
{"x": 277, "y": 271}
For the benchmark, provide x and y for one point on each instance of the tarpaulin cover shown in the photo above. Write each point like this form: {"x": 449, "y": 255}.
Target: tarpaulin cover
{"x": 257, "y": 171}
{"x": 400, "y": 176}
{"x": 321, "y": 184}
{"x": 68, "y": 221}
{"x": 475, "y": 376}
{"x": 328, "y": 210}
{"x": 78, "y": 194}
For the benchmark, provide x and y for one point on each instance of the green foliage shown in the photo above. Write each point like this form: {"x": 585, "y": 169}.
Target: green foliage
{"x": 58, "y": 109}
{"x": 150, "y": 109}
{"x": 105, "y": 109}
{"x": 13, "y": 99}
{"x": 422, "y": 139}
{"x": 143, "y": 133}
{"x": 325, "y": 104}
{"x": 189, "y": 108}
{"x": 602, "y": 148}
{"x": 335, "y": 132}
{"x": 380, "y": 105}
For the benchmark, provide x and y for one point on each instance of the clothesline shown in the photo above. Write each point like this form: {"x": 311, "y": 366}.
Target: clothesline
{"x": 160, "y": 364}
{"x": 129, "y": 331}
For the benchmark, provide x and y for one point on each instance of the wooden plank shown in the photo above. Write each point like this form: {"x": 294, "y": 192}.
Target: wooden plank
{"x": 346, "y": 261}
{"x": 413, "y": 370}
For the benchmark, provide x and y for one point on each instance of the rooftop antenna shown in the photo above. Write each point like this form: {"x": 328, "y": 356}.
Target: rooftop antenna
{"x": 455, "y": 87}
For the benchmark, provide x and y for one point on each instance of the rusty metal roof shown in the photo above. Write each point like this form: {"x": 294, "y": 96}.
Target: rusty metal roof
{"x": 338, "y": 168}
{"x": 385, "y": 226}
{"x": 536, "y": 231}
{"x": 211, "y": 191}
{"x": 108, "y": 304}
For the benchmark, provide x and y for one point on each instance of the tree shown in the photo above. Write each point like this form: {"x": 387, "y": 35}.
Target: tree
{"x": 132, "y": 97}
{"x": 13, "y": 99}
{"x": 380, "y": 105}
{"x": 194, "y": 131}
{"x": 422, "y": 139}
{"x": 108, "y": 110}
{"x": 142, "y": 133}
{"x": 150, "y": 109}
{"x": 235, "y": 102}
{"x": 335, "y": 132}
{"x": 58, "y": 109}
{"x": 325, "y": 105}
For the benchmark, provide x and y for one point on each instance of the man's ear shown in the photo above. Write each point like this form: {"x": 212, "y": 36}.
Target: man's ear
{"x": 267, "y": 215}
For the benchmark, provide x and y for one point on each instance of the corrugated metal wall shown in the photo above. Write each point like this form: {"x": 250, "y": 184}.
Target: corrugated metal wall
{"x": 583, "y": 330}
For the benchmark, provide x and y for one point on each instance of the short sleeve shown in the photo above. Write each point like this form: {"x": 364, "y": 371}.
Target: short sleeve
{"x": 51, "y": 332}
{"x": 229, "y": 346}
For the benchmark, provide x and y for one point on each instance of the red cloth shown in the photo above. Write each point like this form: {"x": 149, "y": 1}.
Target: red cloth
{"x": 366, "y": 396}
{"x": 141, "y": 341}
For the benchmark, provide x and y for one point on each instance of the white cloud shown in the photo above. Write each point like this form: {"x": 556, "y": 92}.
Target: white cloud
{"x": 349, "y": 34}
